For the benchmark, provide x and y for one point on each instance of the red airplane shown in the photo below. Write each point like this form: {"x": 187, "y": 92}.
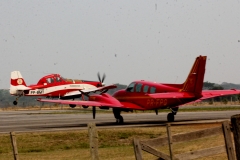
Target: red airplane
{"x": 146, "y": 95}
{"x": 53, "y": 85}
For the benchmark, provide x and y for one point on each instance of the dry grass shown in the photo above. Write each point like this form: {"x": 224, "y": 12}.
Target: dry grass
{"x": 114, "y": 144}
{"x": 45, "y": 107}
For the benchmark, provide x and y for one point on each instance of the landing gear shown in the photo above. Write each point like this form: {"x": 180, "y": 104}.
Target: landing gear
{"x": 72, "y": 105}
{"x": 170, "y": 116}
{"x": 117, "y": 115}
{"x": 119, "y": 120}
{"x": 19, "y": 94}
{"x": 84, "y": 106}
{"x": 15, "y": 102}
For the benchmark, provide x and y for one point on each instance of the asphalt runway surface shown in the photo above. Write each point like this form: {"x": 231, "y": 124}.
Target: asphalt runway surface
{"x": 54, "y": 120}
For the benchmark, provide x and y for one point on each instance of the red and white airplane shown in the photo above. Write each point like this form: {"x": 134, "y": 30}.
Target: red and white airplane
{"x": 55, "y": 86}
{"x": 146, "y": 95}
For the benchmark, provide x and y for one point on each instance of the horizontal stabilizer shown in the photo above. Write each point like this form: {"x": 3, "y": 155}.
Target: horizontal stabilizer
{"x": 216, "y": 93}
{"x": 206, "y": 94}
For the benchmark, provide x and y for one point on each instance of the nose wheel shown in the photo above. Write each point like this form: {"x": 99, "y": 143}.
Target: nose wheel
{"x": 117, "y": 115}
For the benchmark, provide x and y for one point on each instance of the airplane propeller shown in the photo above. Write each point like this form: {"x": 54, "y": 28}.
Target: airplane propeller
{"x": 101, "y": 79}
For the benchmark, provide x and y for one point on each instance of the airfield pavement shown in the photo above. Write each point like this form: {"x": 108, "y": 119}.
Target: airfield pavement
{"x": 55, "y": 120}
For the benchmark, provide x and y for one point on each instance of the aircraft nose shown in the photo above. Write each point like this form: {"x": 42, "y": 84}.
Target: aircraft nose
{"x": 118, "y": 93}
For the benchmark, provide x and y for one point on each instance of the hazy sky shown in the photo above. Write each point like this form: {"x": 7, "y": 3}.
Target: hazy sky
{"x": 127, "y": 40}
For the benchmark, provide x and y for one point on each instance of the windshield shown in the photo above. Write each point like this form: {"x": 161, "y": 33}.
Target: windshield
{"x": 130, "y": 88}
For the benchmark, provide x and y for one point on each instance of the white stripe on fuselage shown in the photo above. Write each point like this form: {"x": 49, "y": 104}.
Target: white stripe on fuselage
{"x": 49, "y": 90}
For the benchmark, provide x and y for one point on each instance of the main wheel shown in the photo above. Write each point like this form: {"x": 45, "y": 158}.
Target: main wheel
{"x": 84, "y": 106}
{"x": 72, "y": 105}
{"x": 119, "y": 120}
{"x": 170, "y": 117}
{"x": 15, "y": 102}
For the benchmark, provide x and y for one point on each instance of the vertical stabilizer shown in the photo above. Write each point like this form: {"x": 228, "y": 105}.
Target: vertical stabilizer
{"x": 194, "y": 81}
{"x": 17, "y": 79}
{"x": 16, "y": 82}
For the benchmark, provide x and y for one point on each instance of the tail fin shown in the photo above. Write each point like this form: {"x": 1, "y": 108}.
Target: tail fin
{"x": 17, "y": 79}
{"x": 194, "y": 81}
{"x": 17, "y": 82}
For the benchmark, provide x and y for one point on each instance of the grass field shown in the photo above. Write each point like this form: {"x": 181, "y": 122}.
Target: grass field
{"x": 114, "y": 144}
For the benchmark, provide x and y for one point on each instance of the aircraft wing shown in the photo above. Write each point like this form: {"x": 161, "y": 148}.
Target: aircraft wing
{"x": 129, "y": 105}
{"x": 216, "y": 93}
{"x": 86, "y": 103}
{"x": 98, "y": 88}
{"x": 73, "y": 93}
{"x": 111, "y": 104}
{"x": 172, "y": 95}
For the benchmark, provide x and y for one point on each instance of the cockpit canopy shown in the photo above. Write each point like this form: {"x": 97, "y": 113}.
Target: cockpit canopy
{"x": 56, "y": 78}
{"x": 52, "y": 78}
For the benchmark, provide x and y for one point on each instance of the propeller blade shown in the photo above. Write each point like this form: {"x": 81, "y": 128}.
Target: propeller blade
{"x": 99, "y": 78}
{"x": 94, "y": 111}
{"x": 103, "y": 78}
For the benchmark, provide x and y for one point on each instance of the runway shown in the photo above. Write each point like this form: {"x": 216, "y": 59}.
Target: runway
{"x": 53, "y": 120}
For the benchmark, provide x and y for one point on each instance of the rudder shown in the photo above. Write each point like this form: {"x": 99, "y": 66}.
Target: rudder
{"x": 194, "y": 81}
{"x": 17, "y": 79}
{"x": 17, "y": 83}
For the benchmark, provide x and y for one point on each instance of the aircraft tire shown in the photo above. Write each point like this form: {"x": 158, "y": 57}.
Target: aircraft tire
{"x": 120, "y": 120}
{"x": 170, "y": 117}
{"x": 72, "y": 105}
{"x": 15, "y": 102}
{"x": 84, "y": 106}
